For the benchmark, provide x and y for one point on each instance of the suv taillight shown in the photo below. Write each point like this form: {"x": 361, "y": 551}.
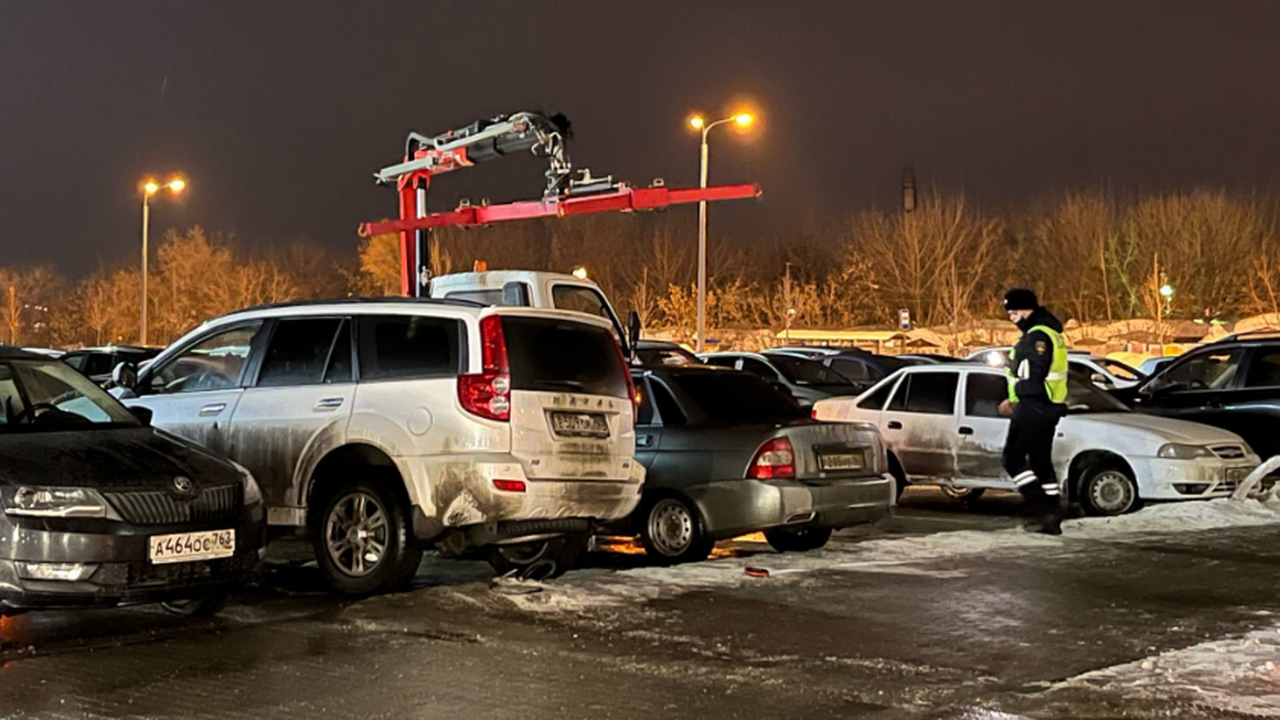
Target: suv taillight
{"x": 487, "y": 394}
{"x": 775, "y": 459}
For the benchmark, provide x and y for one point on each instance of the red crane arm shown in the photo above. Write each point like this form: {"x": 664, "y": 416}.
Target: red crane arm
{"x": 624, "y": 199}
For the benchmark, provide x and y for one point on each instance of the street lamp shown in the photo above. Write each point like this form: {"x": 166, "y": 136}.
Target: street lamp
{"x": 697, "y": 122}
{"x": 150, "y": 188}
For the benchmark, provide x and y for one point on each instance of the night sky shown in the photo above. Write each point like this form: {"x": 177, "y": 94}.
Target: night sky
{"x": 278, "y": 112}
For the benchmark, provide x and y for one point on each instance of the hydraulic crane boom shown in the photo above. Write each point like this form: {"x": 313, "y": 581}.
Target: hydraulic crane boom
{"x": 426, "y": 157}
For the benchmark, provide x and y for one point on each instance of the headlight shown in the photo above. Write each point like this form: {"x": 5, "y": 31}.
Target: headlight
{"x": 61, "y": 502}
{"x": 1178, "y": 451}
{"x": 252, "y": 493}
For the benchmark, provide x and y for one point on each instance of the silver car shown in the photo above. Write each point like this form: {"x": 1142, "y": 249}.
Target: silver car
{"x": 727, "y": 454}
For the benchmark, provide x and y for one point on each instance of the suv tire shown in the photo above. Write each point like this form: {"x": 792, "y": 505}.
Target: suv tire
{"x": 363, "y": 540}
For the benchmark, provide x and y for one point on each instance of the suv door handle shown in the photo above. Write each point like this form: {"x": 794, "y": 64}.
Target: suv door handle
{"x": 332, "y": 403}
{"x": 895, "y": 425}
{"x": 212, "y": 409}
{"x": 966, "y": 430}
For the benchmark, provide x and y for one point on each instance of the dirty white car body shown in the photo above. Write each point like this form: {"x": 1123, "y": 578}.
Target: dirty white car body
{"x": 467, "y": 476}
{"x": 941, "y": 426}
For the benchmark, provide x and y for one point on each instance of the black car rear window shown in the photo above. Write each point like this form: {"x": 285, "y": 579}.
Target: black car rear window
{"x": 737, "y": 398}
{"x": 549, "y": 355}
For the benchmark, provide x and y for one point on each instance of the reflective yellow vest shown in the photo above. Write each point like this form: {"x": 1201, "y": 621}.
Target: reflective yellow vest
{"x": 1055, "y": 384}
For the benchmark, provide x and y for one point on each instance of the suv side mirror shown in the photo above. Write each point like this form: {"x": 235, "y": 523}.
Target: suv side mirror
{"x": 125, "y": 375}
{"x": 633, "y": 333}
{"x": 143, "y": 414}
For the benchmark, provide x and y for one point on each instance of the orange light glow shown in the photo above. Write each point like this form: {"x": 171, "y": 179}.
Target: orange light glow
{"x": 151, "y": 187}
{"x": 696, "y": 122}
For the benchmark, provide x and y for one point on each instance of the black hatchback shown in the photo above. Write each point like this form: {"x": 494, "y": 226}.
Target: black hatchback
{"x": 100, "y": 509}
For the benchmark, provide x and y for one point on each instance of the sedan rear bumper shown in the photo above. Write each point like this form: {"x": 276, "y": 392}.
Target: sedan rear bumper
{"x": 734, "y": 507}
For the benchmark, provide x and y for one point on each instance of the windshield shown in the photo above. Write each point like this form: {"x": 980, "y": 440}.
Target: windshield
{"x": 737, "y": 398}
{"x": 1085, "y": 397}
{"x": 1119, "y": 369}
{"x": 51, "y": 395}
{"x": 807, "y": 372}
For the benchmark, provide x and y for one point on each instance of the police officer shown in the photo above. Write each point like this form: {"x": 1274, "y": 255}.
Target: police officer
{"x": 1037, "y": 373}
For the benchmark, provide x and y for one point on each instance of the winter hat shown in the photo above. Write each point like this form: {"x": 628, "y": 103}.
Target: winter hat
{"x": 1020, "y": 299}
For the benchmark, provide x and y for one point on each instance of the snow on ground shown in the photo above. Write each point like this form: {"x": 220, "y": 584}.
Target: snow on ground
{"x": 901, "y": 555}
{"x": 1239, "y": 675}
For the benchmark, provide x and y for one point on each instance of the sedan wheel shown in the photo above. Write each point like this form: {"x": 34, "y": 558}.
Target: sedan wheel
{"x": 672, "y": 532}
{"x": 1109, "y": 490}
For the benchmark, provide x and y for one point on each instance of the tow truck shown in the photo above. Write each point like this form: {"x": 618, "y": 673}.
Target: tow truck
{"x": 567, "y": 193}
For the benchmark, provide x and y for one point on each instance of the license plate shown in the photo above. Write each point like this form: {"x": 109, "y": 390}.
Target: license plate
{"x": 579, "y": 424}
{"x": 191, "y": 547}
{"x": 845, "y": 461}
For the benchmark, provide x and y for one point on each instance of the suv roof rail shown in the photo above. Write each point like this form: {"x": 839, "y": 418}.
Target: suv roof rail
{"x": 455, "y": 302}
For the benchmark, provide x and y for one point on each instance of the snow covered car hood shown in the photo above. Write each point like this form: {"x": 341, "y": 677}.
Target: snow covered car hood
{"x": 1089, "y": 425}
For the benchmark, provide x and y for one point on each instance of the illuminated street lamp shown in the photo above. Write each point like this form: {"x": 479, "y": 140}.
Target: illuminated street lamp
{"x": 697, "y": 122}
{"x": 150, "y": 188}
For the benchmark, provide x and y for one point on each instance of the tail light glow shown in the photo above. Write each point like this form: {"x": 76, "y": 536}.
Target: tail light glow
{"x": 776, "y": 459}
{"x": 487, "y": 394}
{"x": 509, "y": 485}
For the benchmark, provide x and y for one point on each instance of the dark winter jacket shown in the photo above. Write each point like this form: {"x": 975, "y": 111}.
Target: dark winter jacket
{"x": 1036, "y": 348}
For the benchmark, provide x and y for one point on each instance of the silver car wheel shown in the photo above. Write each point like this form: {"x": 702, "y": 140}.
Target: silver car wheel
{"x": 958, "y": 493}
{"x": 1112, "y": 492}
{"x": 356, "y": 534}
{"x": 671, "y": 527}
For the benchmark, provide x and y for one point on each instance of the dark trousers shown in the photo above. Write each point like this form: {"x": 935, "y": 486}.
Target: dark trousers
{"x": 1028, "y": 457}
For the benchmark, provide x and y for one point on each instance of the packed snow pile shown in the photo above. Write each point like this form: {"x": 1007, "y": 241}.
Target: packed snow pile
{"x": 907, "y": 555}
{"x": 1238, "y": 675}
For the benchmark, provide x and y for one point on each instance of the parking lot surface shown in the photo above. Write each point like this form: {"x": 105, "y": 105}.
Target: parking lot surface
{"x": 937, "y": 613}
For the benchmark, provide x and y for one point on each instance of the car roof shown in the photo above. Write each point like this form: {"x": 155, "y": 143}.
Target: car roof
{"x": 12, "y": 352}
{"x": 657, "y": 344}
{"x": 671, "y": 370}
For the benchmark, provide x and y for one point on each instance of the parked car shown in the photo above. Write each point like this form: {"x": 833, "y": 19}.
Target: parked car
{"x": 380, "y": 426}
{"x": 928, "y": 359}
{"x": 813, "y": 352}
{"x": 99, "y": 509}
{"x": 864, "y": 369}
{"x": 1233, "y": 384}
{"x": 663, "y": 352}
{"x": 1106, "y": 373}
{"x": 807, "y": 381}
{"x": 942, "y": 427}
{"x": 97, "y": 362}
{"x": 727, "y": 454}
{"x": 1152, "y": 366}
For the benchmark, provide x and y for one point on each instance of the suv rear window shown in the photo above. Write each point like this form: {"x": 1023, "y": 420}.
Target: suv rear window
{"x": 408, "y": 346}
{"x": 559, "y": 356}
{"x": 737, "y": 398}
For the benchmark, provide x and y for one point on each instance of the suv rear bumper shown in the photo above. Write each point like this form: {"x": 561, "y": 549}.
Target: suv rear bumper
{"x": 452, "y": 497}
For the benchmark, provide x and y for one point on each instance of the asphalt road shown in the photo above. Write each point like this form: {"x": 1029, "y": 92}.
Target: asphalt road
{"x": 1062, "y": 628}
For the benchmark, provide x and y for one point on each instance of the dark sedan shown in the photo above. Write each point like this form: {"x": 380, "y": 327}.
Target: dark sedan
{"x": 727, "y": 454}
{"x": 100, "y": 509}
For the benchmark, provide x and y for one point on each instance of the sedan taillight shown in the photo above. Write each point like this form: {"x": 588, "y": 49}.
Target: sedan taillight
{"x": 776, "y": 459}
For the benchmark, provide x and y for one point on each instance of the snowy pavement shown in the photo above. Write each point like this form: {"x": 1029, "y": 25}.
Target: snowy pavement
{"x": 1171, "y": 612}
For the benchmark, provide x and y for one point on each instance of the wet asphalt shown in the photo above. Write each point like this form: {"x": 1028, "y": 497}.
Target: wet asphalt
{"x": 993, "y": 635}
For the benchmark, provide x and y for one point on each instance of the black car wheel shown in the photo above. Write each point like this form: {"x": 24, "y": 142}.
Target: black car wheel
{"x": 672, "y": 531}
{"x": 1109, "y": 489}
{"x": 538, "y": 560}
{"x": 963, "y": 493}
{"x": 197, "y": 607}
{"x": 798, "y": 539}
{"x": 363, "y": 541}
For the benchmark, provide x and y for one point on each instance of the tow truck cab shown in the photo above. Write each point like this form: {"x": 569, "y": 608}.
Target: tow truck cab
{"x": 531, "y": 288}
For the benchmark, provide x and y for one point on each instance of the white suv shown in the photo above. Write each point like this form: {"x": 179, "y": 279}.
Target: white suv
{"x": 381, "y": 426}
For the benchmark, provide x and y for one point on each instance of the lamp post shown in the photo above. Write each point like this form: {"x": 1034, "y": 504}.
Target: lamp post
{"x": 151, "y": 187}
{"x": 697, "y": 122}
